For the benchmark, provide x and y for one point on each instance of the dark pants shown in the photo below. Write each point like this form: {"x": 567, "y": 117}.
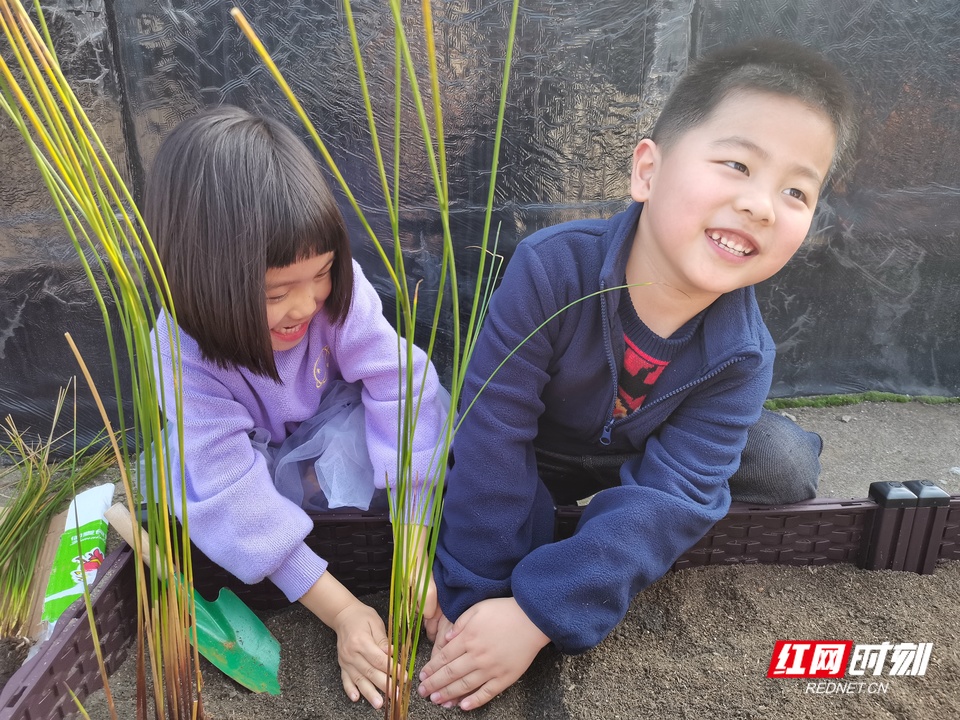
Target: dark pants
{"x": 780, "y": 464}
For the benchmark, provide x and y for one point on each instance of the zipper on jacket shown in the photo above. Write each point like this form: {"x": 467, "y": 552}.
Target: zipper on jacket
{"x": 608, "y": 426}
{"x": 607, "y": 432}
{"x": 720, "y": 368}
{"x": 605, "y": 435}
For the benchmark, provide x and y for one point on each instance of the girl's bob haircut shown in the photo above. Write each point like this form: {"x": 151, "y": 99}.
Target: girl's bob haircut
{"x": 231, "y": 195}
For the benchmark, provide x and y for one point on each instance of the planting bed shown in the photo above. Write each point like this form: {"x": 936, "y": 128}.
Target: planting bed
{"x": 902, "y": 535}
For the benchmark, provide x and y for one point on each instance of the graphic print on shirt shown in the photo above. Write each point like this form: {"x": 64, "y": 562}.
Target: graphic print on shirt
{"x": 321, "y": 367}
{"x": 638, "y": 374}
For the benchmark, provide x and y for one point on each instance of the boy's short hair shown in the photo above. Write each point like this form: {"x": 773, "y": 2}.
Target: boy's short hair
{"x": 765, "y": 65}
{"x": 230, "y": 195}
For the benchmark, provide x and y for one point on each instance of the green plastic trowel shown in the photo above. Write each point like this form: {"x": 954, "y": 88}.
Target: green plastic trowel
{"x": 229, "y": 634}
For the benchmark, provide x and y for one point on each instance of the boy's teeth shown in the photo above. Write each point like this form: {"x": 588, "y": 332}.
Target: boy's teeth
{"x": 735, "y": 247}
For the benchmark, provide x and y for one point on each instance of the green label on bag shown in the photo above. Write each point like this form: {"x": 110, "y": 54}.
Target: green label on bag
{"x": 71, "y": 562}
{"x": 80, "y": 552}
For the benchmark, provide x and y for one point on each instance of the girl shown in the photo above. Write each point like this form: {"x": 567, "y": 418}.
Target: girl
{"x": 287, "y": 363}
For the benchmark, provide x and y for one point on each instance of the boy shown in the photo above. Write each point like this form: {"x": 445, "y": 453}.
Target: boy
{"x": 643, "y": 395}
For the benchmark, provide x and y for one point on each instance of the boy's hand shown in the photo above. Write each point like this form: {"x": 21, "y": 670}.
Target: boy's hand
{"x": 418, "y": 534}
{"x": 437, "y": 627}
{"x": 486, "y": 651}
{"x": 431, "y": 609}
{"x": 362, "y": 651}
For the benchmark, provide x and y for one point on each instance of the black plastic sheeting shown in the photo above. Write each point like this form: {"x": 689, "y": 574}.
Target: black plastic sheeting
{"x": 44, "y": 291}
{"x": 872, "y": 300}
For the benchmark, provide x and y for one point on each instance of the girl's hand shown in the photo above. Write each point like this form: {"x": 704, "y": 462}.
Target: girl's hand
{"x": 362, "y": 645}
{"x": 362, "y": 651}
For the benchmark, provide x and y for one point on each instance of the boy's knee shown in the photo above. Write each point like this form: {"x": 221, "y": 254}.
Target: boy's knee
{"x": 779, "y": 465}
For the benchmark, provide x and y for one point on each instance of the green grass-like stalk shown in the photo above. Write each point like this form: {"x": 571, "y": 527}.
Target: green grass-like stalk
{"x": 415, "y": 503}
{"x": 115, "y": 249}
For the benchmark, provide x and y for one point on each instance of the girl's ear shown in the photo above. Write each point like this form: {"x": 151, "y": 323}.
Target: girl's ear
{"x": 646, "y": 161}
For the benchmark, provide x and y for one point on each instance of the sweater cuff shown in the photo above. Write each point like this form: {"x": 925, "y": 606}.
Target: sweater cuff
{"x": 299, "y": 571}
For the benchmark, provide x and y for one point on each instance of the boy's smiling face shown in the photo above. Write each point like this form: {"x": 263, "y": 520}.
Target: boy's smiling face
{"x": 729, "y": 201}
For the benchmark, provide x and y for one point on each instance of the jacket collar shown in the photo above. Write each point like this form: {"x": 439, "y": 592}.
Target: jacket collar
{"x": 620, "y": 234}
{"x": 731, "y": 324}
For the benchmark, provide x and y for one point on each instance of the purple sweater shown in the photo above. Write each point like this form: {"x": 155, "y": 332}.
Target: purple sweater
{"x": 237, "y": 517}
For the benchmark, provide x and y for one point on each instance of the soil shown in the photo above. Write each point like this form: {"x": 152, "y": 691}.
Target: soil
{"x": 13, "y": 651}
{"x": 698, "y": 643}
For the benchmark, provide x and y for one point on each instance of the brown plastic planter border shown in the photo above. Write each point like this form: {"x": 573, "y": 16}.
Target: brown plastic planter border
{"x": 875, "y": 533}
{"x": 39, "y": 689}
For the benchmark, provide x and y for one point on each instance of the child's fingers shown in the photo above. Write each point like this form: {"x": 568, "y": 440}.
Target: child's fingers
{"x": 447, "y": 666}
{"x": 370, "y": 693}
{"x": 373, "y": 663}
{"x": 366, "y": 649}
{"x": 349, "y": 687}
{"x": 430, "y": 625}
{"x": 364, "y": 660}
{"x": 378, "y": 655}
{"x": 487, "y": 692}
{"x": 366, "y": 673}
{"x": 458, "y": 627}
{"x": 430, "y": 606}
{"x": 356, "y": 687}
{"x": 458, "y": 679}
{"x": 440, "y": 635}
{"x": 465, "y": 684}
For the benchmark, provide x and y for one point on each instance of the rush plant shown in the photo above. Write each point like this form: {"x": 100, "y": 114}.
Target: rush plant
{"x": 43, "y": 489}
{"x": 415, "y": 502}
{"x": 121, "y": 265}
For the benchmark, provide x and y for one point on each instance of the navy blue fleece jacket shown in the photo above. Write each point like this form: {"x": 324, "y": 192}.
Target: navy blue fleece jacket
{"x": 557, "y": 393}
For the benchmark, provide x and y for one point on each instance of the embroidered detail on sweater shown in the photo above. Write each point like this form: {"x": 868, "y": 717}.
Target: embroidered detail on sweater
{"x": 638, "y": 374}
{"x": 321, "y": 367}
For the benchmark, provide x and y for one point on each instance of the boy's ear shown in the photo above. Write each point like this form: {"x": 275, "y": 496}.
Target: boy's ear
{"x": 646, "y": 160}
